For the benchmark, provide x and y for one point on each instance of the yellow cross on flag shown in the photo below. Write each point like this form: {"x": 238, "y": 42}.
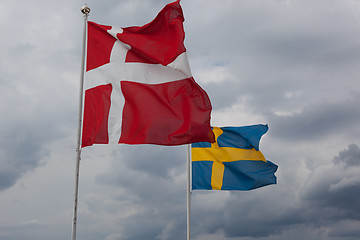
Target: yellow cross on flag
{"x": 233, "y": 162}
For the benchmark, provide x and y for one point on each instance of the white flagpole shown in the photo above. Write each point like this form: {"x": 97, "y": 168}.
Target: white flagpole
{"x": 85, "y": 10}
{"x": 188, "y": 199}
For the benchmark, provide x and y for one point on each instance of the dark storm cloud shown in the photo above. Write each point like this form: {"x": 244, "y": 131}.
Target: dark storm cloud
{"x": 148, "y": 172}
{"x": 246, "y": 214}
{"x": 292, "y": 63}
{"x": 125, "y": 13}
{"x": 267, "y": 57}
{"x": 150, "y": 176}
{"x": 156, "y": 226}
{"x": 36, "y": 93}
{"x": 349, "y": 157}
{"x": 328, "y": 200}
{"x": 331, "y": 194}
{"x": 318, "y": 121}
{"x": 333, "y": 205}
{"x": 21, "y": 137}
{"x": 19, "y": 154}
{"x": 155, "y": 160}
{"x": 28, "y": 127}
{"x": 149, "y": 160}
{"x": 346, "y": 230}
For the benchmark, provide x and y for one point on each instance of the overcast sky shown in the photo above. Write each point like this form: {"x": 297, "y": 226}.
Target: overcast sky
{"x": 291, "y": 64}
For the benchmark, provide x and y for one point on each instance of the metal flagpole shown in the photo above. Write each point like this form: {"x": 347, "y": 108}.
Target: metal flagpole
{"x": 188, "y": 199}
{"x": 85, "y": 10}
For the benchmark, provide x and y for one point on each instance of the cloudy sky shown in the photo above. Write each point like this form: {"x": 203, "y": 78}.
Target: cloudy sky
{"x": 291, "y": 64}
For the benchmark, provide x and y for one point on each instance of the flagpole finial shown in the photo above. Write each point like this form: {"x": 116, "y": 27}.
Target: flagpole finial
{"x": 85, "y": 10}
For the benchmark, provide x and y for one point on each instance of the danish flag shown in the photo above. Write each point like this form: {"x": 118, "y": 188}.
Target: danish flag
{"x": 139, "y": 88}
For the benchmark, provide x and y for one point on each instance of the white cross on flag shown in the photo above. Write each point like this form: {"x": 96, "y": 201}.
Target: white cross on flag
{"x": 139, "y": 88}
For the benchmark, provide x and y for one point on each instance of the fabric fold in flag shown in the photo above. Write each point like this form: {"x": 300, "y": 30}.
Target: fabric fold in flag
{"x": 139, "y": 88}
{"x": 233, "y": 161}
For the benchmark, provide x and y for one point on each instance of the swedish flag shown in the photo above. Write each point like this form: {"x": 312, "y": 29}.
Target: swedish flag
{"x": 233, "y": 162}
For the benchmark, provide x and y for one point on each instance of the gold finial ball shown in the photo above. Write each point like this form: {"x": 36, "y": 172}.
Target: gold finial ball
{"x": 85, "y": 9}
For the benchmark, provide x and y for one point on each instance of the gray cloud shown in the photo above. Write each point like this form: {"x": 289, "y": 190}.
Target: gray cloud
{"x": 327, "y": 200}
{"x": 291, "y": 64}
{"x": 317, "y": 121}
{"x": 150, "y": 177}
{"x": 330, "y": 194}
{"x": 37, "y": 59}
{"x": 349, "y": 157}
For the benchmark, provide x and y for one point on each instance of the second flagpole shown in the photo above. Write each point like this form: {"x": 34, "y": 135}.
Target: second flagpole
{"x": 188, "y": 195}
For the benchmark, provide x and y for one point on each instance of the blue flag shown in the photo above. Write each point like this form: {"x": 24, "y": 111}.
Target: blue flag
{"x": 233, "y": 162}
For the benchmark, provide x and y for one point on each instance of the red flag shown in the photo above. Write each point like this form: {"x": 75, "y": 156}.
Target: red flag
{"x": 139, "y": 88}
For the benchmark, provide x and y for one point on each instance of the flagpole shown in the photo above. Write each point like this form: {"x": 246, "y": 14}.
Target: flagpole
{"x": 188, "y": 198}
{"x": 85, "y": 10}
